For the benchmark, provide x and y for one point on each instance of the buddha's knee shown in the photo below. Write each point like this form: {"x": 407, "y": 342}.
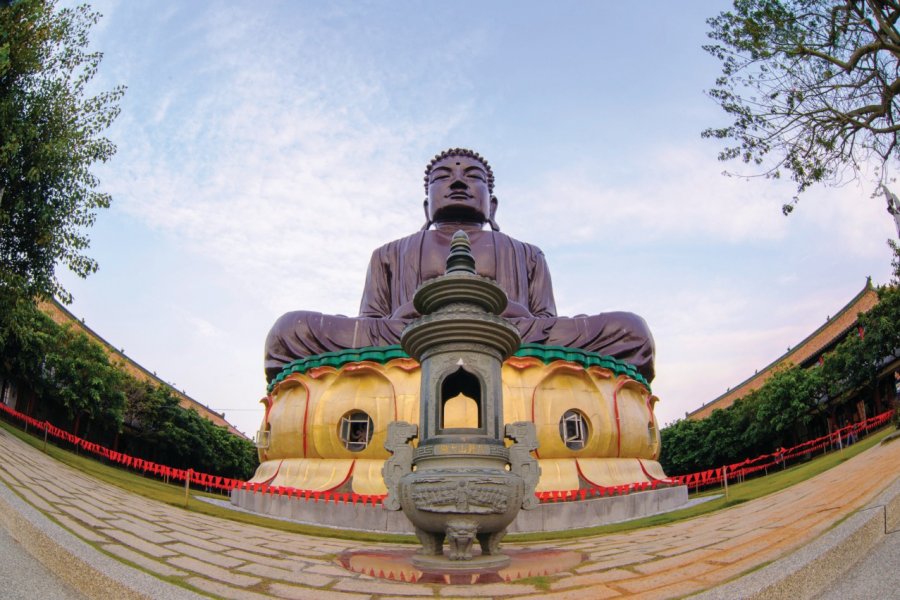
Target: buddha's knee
{"x": 291, "y": 321}
{"x": 630, "y": 322}
{"x": 280, "y": 340}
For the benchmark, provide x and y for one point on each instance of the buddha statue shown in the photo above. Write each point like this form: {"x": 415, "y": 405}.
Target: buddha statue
{"x": 459, "y": 185}
{"x": 336, "y": 383}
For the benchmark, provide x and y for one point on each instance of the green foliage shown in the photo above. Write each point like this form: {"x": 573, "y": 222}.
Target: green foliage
{"x": 787, "y": 402}
{"x": 79, "y": 388}
{"x": 895, "y": 262}
{"x": 71, "y": 373}
{"x": 778, "y": 413}
{"x": 79, "y": 376}
{"x": 765, "y": 419}
{"x": 810, "y": 86}
{"x": 158, "y": 428}
{"x": 167, "y": 433}
{"x": 25, "y": 336}
{"x": 50, "y": 136}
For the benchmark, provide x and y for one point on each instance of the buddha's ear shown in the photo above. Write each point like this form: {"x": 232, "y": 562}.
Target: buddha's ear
{"x": 493, "y": 211}
{"x": 427, "y": 216}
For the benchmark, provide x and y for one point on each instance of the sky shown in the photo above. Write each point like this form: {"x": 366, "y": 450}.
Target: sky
{"x": 265, "y": 149}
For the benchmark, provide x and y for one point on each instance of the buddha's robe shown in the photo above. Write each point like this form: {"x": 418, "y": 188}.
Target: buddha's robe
{"x": 399, "y": 267}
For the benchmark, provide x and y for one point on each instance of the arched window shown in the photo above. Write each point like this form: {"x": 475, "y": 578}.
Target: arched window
{"x": 461, "y": 401}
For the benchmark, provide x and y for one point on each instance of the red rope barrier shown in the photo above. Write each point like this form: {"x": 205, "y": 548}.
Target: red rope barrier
{"x": 695, "y": 480}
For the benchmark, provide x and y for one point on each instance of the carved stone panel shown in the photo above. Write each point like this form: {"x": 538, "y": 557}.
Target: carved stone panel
{"x": 521, "y": 462}
{"x": 478, "y": 495}
{"x": 399, "y": 435}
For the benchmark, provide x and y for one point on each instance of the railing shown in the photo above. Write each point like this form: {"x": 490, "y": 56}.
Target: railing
{"x": 736, "y": 471}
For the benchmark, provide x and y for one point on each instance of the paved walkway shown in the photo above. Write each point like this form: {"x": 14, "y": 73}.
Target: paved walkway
{"x": 231, "y": 560}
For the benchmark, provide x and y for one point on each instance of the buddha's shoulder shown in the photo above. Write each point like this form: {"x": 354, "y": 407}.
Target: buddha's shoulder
{"x": 401, "y": 245}
{"x": 502, "y": 238}
{"x": 405, "y": 244}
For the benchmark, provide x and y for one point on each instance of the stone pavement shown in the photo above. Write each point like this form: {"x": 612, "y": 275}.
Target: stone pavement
{"x": 226, "y": 559}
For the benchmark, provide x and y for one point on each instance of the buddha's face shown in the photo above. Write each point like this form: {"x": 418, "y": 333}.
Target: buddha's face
{"x": 458, "y": 190}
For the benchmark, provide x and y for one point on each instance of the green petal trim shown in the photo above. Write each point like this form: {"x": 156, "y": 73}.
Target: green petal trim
{"x": 383, "y": 354}
{"x": 582, "y": 357}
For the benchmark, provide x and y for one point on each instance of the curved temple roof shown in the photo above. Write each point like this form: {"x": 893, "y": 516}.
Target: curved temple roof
{"x": 807, "y": 351}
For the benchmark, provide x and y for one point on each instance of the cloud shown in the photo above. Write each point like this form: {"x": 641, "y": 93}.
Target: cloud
{"x": 201, "y": 327}
{"x": 713, "y": 338}
{"x": 848, "y": 216}
{"x": 679, "y": 194}
{"x": 287, "y": 172}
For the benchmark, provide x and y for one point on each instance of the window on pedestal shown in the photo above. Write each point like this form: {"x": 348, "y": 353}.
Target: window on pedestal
{"x": 573, "y": 429}
{"x": 263, "y": 437}
{"x": 461, "y": 401}
{"x": 356, "y": 430}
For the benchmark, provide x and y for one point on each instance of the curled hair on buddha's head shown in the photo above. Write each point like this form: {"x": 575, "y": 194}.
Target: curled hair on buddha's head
{"x": 461, "y": 152}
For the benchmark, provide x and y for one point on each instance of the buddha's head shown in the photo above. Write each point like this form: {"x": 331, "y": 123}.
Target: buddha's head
{"x": 459, "y": 185}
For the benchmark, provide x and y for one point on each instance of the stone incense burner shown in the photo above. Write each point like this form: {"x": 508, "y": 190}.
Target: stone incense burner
{"x": 461, "y": 482}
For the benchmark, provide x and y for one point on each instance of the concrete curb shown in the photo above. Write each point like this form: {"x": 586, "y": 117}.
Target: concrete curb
{"x": 813, "y": 568}
{"x": 80, "y": 565}
{"x": 547, "y": 517}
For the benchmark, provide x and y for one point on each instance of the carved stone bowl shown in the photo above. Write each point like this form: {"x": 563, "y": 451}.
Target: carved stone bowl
{"x": 464, "y": 505}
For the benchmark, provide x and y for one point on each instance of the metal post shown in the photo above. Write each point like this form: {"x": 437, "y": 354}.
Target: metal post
{"x": 187, "y": 486}
{"x": 46, "y": 427}
{"x": 725, "y": 479}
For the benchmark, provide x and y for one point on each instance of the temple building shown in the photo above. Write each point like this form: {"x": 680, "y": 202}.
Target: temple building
{"x": 849, "y": 407}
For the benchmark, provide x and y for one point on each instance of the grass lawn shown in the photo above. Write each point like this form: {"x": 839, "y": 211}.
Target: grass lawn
{"x": 174, "y": 494}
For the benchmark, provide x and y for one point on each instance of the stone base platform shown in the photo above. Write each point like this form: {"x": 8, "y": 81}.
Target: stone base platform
{"x": 551, "y": 516}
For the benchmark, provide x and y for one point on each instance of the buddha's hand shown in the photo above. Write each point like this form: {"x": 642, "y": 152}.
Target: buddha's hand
{"x": 515, "y": 310}
{"x": 405, "y": 312}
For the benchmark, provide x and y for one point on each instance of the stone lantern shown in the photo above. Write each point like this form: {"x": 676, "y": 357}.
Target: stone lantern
{"x": 461, "y": 482}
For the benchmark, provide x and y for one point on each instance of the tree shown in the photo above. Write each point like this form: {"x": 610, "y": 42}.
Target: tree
{"x": 24, "y": 342}
{"x": 70, "y": 373}
{"x": 50, "y": 136}
{"x": 80, "y": 380}
{"x": 811, "y": 85}
{"x": 788, "y": 402}
{"x": 681, "y": 447}
{"x": 158, "y": 428}
{"x": 895, "y": 262}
